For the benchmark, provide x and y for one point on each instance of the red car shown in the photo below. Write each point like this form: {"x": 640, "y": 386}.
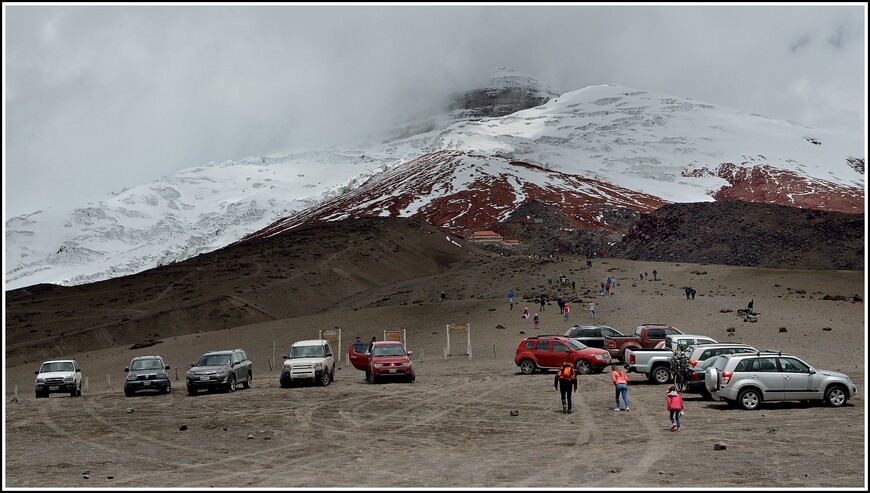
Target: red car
{"x": 548, "y": 352}
{"x": 387, "y": 360}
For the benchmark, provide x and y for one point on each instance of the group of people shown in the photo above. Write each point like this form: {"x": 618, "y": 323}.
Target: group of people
{"x": 565, "y": 382}
{"x": 690, "y": 293}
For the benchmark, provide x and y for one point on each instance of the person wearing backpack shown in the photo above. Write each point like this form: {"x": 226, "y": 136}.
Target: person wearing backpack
{"x": 566, "y": 377}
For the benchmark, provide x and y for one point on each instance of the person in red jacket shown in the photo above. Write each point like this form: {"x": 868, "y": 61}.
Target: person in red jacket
{"x": 675, "y": 407}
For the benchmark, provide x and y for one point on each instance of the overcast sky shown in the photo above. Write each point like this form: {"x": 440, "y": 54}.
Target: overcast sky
{"x": 97, "y": 97}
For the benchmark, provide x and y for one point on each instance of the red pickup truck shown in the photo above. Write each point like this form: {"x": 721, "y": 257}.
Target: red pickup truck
{"x": 645, "y": 336}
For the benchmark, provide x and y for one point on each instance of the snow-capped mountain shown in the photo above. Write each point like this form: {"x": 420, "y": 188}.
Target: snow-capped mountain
{"x": 585, "y": 151}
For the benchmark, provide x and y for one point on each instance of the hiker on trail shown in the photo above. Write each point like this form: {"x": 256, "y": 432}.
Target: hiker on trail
{"x": 655, "y": 275}
{"x": 573, "y": 285}
{"x": 511, "y": 298}
{"x": 607, "y": 287}
{"x": 543, "y": 301}
{"x": 601, "y": 291}
{"x": 688, "y": 292}
{"x": 537, "y": 322}
{"x": 592, "y": 310}
{"x": 693, "y": 293}
{"x": 565, "y": 311}
{"x": 641, "y": 275}
{"x": 749, "y": 308}
{"x": 566, "y": 378}
{"x": 526, "y": 312}
{"x": 561, "y": 304}
{"x": 358, "y": 345}
{"x": 443, "y": 296}
{"x": 588, "y": 264}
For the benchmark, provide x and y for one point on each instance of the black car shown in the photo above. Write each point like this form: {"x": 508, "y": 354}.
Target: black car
{"x": 220, "y": 370}
{"x": 147, "y": 373}
{"x": 592, "y": 335}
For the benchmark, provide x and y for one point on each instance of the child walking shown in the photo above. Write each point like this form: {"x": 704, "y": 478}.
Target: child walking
{"x": 675, "y": 407}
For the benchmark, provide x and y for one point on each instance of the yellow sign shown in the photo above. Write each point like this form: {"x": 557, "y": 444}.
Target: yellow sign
{"x": 331, "y": 335}
{"x": 393, "y": 335}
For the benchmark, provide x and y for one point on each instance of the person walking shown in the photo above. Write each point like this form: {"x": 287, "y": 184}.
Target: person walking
{"x": 537, "y": 322}
{"x": 511, "y": 298}
{"x": 675, "y": 408}
{"x": 607, "y": 288}
{"x": 749, "y": 308}
{"x": 693, "y": 293}
{"x": 565, "y": 311}
{"x": 655, "y": 275}
{"x": 601, "y": 291}
{"x": 566, "y": 378}
{"x": 592, "y": 310}
{"x": 543, "y": 301}
{"x": 526, "y": 312}
{"x": 688, "y": 292}
{"x": 620, "y": 386}
{"x": 573, "y": 285}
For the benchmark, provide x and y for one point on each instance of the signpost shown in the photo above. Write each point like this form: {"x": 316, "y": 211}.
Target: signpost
{"x": 396, "y": 335}
{"x": 460, "y": 329}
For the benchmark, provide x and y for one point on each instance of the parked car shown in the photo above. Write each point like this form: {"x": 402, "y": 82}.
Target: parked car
{"x": 592, "y": 335}
{"x": 645, "y": 336}
{"x": 748, "y": 379}
{"x": 220, "y": 370}
{"x": 56, "y": 376}
{"x": 147, "y": 373}
{"x": 701, "y": 356}
{"x": 547, "y": 352}
{"x": 656, "y": 363}
{"x": 308, "y": 361}
{"x": 674, "y": 341}
{"x": 385, "y": 360}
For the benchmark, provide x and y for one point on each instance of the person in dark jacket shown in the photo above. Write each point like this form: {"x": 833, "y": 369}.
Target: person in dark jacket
{"x": 566, "y": 378}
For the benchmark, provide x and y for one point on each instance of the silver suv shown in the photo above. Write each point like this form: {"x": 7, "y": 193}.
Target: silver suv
{"x": 748, "y": 379}
{"x": 220, "y": 370}
{"x": 310, "y": 361}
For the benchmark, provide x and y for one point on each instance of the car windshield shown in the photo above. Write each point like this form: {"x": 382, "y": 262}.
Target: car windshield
{"x": 214, "y": 360}
{"x": 575, "y": 344}
{"x": 56, "y": 366}
{"x": 392, "y": 350}
{"x": 306, "y": 352}
{"x": 146, "y": 364}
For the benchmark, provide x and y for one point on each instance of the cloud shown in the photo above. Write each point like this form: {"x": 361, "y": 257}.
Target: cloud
{"x": 101, "y": 97}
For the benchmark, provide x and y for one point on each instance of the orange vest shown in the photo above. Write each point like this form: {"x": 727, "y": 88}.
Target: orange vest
{"x": 566, "y": 373}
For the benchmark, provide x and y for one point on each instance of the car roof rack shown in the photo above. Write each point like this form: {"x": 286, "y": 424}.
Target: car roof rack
{"x": 547, "y": 335}
{"x": 769, "y": 351}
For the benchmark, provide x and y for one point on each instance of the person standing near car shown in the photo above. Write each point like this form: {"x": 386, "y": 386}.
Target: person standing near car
{"x": 675, "y": 407}
{"x": 566, "y": 377}
{"x": 620, "y": 386}
{"x": 592, "y": 310}
{"x": 537, "y": 322}
{"x": 566, "y": 311}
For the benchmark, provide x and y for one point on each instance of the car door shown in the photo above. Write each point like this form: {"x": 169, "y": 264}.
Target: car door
{"x": 543, "y": 354}
{"x": 330, "y": 358}
{"x": 765, "y": 371}
{"x": 236, "y": 365}
{"x": 360, "y": 361}
{"x": 797, "y": 379}
{"x": 560, "y": 353}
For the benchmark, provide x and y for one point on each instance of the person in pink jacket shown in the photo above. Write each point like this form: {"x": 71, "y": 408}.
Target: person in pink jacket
{"x": 675, "y": 407}
{"x": 620, "y": 385}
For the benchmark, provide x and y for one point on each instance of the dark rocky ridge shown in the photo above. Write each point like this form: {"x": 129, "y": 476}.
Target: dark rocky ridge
{"x": 747, "y": 234}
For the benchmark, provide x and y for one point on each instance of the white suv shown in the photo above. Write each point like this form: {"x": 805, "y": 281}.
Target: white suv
{"x": 748, "y": 379}
{"x": 56, "y": 376}
{"x": 308, "y": 361}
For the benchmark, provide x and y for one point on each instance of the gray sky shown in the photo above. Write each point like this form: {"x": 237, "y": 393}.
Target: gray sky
{"x": 98, "y": 97}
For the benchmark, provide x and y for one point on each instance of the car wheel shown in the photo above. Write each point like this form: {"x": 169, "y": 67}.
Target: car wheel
{"x": 168, "y": 388}
{"x": 749, "y": 399}
{"x": 413, "y": 377}
{"x": 191, "y": 390}
{"x": 231, "y": 383}
{"x": 583, "y": 367}
{"x": 325, "y": 379}
{"x": 249, "y": 382}
{"x": 527, "y": 366}
{"x": 660, "y": 375}
{"x": 129, "y": 392}
{"x": 836, "y": 396}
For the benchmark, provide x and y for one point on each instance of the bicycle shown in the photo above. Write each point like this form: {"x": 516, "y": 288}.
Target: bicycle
{"x": 681, "y": 370}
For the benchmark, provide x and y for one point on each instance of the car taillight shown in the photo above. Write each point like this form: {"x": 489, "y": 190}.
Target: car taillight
{"x": 726, "y": 377}
{"x": 695, "y": 376}
{"x": 631, "y": 359}
{"x": 693, "y": 362}
{"x": 611, "y": 344}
